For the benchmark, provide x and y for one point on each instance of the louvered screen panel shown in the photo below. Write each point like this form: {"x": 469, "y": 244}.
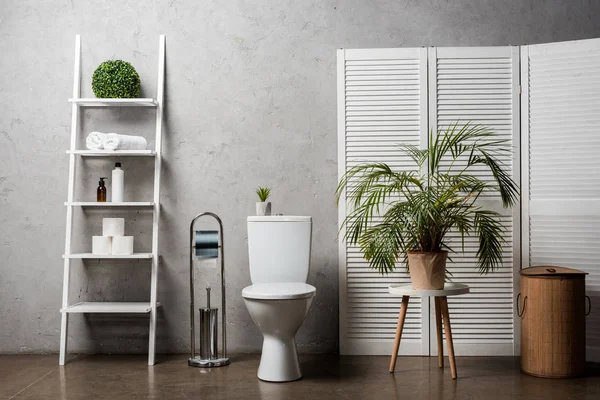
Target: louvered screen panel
{"x": 382, "y": 102}
{"x": 480, "y": 86}
{"x": 563, "y": 90}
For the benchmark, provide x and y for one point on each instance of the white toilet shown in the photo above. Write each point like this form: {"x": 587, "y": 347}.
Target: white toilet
{"x": 279, "y": 298}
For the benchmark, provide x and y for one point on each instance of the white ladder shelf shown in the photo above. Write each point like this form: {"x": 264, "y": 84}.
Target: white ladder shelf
{"x": 73, "y": 152}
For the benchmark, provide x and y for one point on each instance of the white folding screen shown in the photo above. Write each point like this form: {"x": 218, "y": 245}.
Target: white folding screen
{"x": 561, "y": 180}
{"x": 392, "y": 96}
{"x": 480, "y": 85}
{"x": 382, "y": 101}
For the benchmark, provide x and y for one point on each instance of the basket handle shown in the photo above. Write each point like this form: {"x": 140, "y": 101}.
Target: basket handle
{"x": 519, "y": 312}
{"x": 590, "y": 304}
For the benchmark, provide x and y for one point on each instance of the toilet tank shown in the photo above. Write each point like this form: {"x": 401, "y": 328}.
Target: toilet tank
{"x": 279, "y": 248}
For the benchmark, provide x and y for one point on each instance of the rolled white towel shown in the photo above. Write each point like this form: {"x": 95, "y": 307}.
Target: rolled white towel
{"x": 95, "y": 141}
{"x": 115, "y": 141}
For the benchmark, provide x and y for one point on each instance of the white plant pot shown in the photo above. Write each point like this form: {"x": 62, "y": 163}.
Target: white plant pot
{"x": 263, "y": 208}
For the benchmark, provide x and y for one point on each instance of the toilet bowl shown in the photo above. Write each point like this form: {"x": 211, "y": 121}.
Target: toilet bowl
{"x": 278, "y": 310}
{"x": 279, "y": 297}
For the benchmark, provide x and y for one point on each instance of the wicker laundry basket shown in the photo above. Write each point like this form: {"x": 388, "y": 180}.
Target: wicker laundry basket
{"x": 552, "y": 307}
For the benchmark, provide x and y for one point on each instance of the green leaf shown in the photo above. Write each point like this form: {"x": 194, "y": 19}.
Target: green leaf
{"x": 263, "y": 193}
{"x": 392, "y": 212}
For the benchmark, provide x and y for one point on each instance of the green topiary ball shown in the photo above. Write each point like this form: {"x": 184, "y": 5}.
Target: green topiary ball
{"x": 116, "y": 79}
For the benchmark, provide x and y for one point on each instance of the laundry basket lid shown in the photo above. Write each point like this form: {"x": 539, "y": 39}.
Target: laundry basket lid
{"x": 548, "y": 270}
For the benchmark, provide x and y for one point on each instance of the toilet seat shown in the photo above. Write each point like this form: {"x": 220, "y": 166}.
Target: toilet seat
{"x": 279, "y": 291}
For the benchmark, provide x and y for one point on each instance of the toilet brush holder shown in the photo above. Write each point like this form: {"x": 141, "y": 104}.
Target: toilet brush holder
{"x": 209, "y": 331}
{"x": 206, "y": 245}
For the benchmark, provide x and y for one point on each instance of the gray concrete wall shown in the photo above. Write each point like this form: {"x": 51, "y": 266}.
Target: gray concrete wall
{"x": 251, "y": 100}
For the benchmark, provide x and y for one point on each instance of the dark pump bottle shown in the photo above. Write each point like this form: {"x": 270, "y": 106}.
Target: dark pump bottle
{"x": 101, "y": 192}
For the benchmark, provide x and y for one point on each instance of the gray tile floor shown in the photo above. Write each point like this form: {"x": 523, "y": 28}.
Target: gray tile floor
{"x": 325, "y": 377}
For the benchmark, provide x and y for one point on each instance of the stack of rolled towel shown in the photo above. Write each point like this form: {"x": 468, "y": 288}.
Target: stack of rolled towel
{"x": 114, "y": 141}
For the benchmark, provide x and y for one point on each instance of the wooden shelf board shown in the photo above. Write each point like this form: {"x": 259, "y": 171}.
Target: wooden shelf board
{"x": 113, "y": 153}
{"x": 110, "y": 307}
{"x": 111, "y": 204}
{"x": 93, "y": 102}
{"x": 109, "y": 256}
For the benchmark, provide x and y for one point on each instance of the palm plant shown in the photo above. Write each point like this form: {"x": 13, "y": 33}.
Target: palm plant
{"x": 263, "y": 193}
{"x": 417, "y": 209}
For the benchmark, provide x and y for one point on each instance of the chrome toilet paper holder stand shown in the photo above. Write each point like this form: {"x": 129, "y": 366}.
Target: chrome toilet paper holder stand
{"x": 205, "y": 245}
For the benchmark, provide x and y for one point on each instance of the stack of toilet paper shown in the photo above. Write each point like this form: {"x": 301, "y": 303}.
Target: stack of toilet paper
{"x": 113, "y": 240}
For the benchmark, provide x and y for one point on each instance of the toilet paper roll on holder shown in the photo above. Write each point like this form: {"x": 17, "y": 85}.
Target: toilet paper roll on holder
{"x": 206, "y": 245}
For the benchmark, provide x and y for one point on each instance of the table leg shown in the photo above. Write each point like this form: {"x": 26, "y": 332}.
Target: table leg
{"x": 438, "y": 325}
{"x": 401, "y": 318}
{"x": 446, "y": 315}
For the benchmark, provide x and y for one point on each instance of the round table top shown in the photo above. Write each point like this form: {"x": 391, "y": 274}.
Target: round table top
{"x": 450, "y": 289}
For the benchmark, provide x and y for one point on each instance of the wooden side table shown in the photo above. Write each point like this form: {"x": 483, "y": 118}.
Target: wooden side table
{"x": 441, "y": 311}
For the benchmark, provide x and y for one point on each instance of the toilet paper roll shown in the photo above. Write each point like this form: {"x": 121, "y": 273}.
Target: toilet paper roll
{"x": 113, "y": 226}
{"x": 207, "y": 244}
{"x": 122, "y": 245}
{"x": 101, "y": 245}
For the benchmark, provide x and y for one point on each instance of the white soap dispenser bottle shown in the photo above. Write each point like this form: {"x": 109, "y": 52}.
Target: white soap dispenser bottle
{"x": 118, "y": 183}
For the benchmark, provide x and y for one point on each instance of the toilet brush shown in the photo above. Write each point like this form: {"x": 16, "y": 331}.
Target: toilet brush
{"x": 209, "y": 325}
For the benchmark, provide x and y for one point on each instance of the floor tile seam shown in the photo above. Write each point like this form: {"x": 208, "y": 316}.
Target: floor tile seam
{"x": 30, "y": 385}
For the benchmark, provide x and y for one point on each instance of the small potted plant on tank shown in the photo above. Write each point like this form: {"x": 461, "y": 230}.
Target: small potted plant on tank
{"x": 263, "y": 207}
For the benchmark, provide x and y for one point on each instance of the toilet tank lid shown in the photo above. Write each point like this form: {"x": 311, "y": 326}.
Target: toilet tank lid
{"x": 280, "y": 218}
